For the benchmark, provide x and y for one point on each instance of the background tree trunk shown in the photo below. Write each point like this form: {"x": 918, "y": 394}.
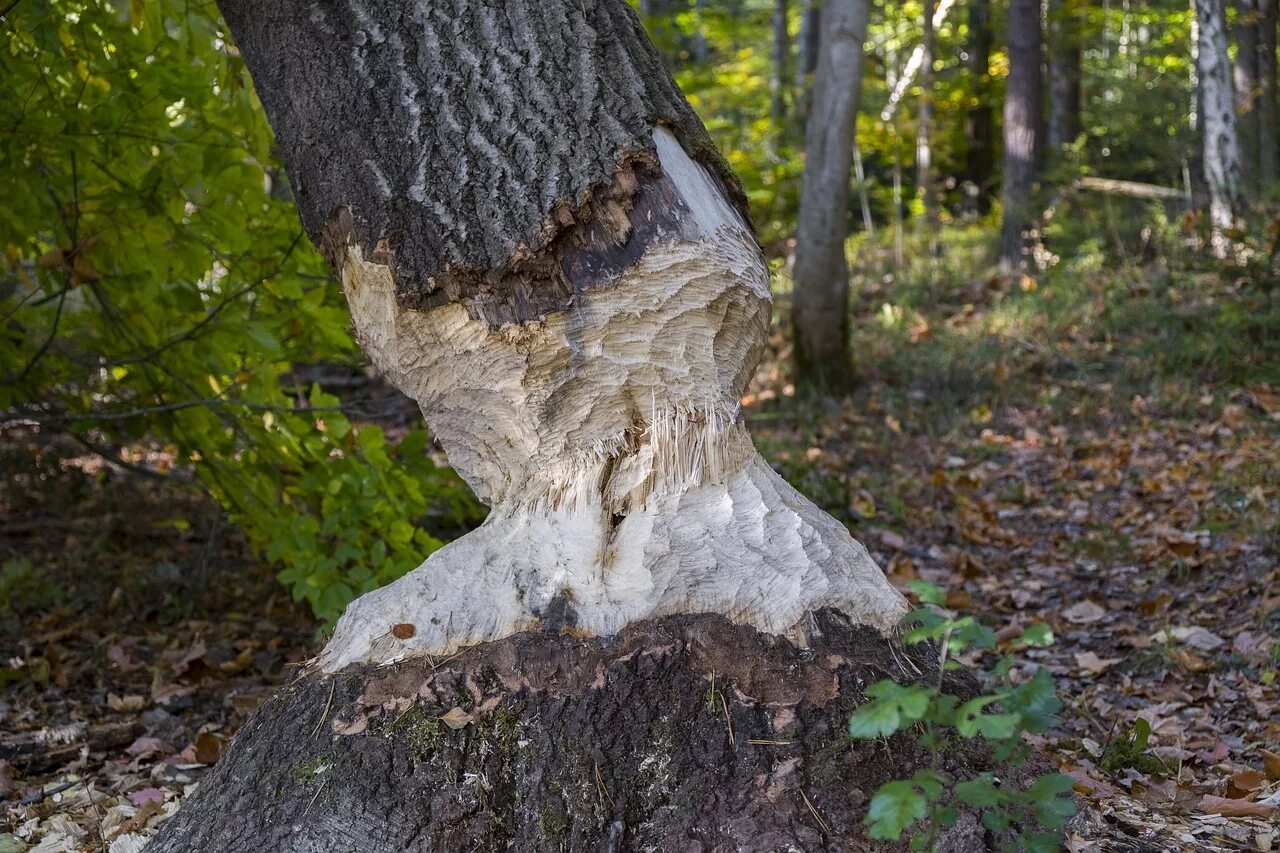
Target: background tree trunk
{"x": 821, "y": 297}
{"x": 1021, "y": 125}
{"x": 781, "y": 71}
{"x": 924, "y": 152}
{"x": 1247, "y": 74}
{"x": 979, "y": 123}
{"x": 807, "y": 40}
{"x": 1218, "y": 109}
{"x": 1268, "y": 117}
{"x": 1064, "y": 72}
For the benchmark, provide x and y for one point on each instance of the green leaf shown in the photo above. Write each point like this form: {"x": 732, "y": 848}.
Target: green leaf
{"x": 889, "y": 707}
{"x": 896, "y": 806}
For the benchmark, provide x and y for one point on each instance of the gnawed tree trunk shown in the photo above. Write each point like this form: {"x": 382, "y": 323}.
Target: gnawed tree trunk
{"x": 1218, "y": 122}
{"x": 539, "y": 243}
{"x": 1021, "y": 129}
{"x": 821, "y": 296}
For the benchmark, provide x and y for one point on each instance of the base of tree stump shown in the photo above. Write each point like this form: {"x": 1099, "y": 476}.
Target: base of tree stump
{"x": 686, "y": 733}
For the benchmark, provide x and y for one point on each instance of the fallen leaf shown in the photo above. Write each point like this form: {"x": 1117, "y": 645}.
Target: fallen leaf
{"x": 1193, "y": 636}
{"x": 1244, "y": 783}
{"x": 1235, "y": 808}
{"x": 1271, "y": 764}
{"x": 456, "y": 718}
{"x": 146, "y": 795}
{"x": 208, "y": 748}
{"x": 147, "y": 746}
{"x": 125, "y": 703}
{"x": 355, "y": 727}
{"x": 1084, "y": 612}
{"x": 1094, "y": 665}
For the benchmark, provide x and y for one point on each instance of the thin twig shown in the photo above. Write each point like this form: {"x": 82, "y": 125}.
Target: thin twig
{"x": 822, "y": 824}
{"x": 324, "y": 715}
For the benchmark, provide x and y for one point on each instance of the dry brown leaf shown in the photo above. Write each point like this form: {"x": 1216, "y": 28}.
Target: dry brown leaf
{"x": 1235, "y": 808}
{"x": 208, "y": 748}
{"x": 1084, "y": 612}
{"x": 403, "y": 631}
{"x": 1271, "y": 764}
{"x": 1094, "y": 665}
{"x": 1244, "y": 783}
{"x": 456, "y": 718}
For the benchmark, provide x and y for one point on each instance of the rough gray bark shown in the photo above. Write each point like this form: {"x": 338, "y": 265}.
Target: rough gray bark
{"x": 979, "y": 123}
{"x": 821, "y": 297}
{"x": 686, "y": 733}
{"x": 500, "y": 133}
{"x": 1021, "y": 129}
{"x": 1065, "y": 44}
{"x": 1218, "y": 119}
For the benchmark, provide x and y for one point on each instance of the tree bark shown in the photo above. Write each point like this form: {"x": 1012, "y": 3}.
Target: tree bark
{"x": 1064, "y": 72}
{"x": 821, "y": 297}
{"x": 1268, "y": 105}
{"x": 806, "y": 60}
{"x": 979, "y": 123}
{"x": 1247, "y": 75}
{"x": 781, "y": 72}
{"x": 1218, "y": 109}
{"x": 1021, "y": 126}
{"x": 924, "y": 151}
{"x": 688, "y": 733}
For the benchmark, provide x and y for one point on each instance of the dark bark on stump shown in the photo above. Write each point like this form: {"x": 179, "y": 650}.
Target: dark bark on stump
{"x": 463, "y": 141}
{"x": 681, "y": 734}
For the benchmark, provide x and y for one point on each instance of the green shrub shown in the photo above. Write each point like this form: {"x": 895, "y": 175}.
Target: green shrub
{"x": 928, "y": 800}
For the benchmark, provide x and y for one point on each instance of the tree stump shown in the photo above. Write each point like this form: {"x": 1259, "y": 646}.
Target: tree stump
{"x": 686, "y": 733}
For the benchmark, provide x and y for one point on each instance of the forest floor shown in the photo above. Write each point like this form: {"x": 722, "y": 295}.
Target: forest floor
{"x": 1093, "y": 451}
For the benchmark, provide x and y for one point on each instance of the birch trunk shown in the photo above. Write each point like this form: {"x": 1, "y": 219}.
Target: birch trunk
{"x": 1021, "y": 128}
{"x": 1218, "y": 120}
{"x": 821, "y": 298}
{"x": 540, "y": 244}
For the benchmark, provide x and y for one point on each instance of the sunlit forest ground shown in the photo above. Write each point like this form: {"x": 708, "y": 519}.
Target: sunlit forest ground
{"x": 1093, "y": 448}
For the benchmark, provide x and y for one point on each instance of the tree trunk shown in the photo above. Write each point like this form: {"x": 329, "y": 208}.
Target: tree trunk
{"x": 1247, "y": 74}
{"x": 979, "y": 123}
{"x": 1218, "y": 118}
{"x": 781, "y": 72}
{"x": 806, "y": 60}
{"x": 924, "y": 152}
{"x": 821, "y": 297}
{"x": 1021, "y": 126}
{"x": 1268, "y": 118}
{"x": 1064, "y": 72}
{"x": 688, "y": 733}
{"x": 539, "y": 244}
